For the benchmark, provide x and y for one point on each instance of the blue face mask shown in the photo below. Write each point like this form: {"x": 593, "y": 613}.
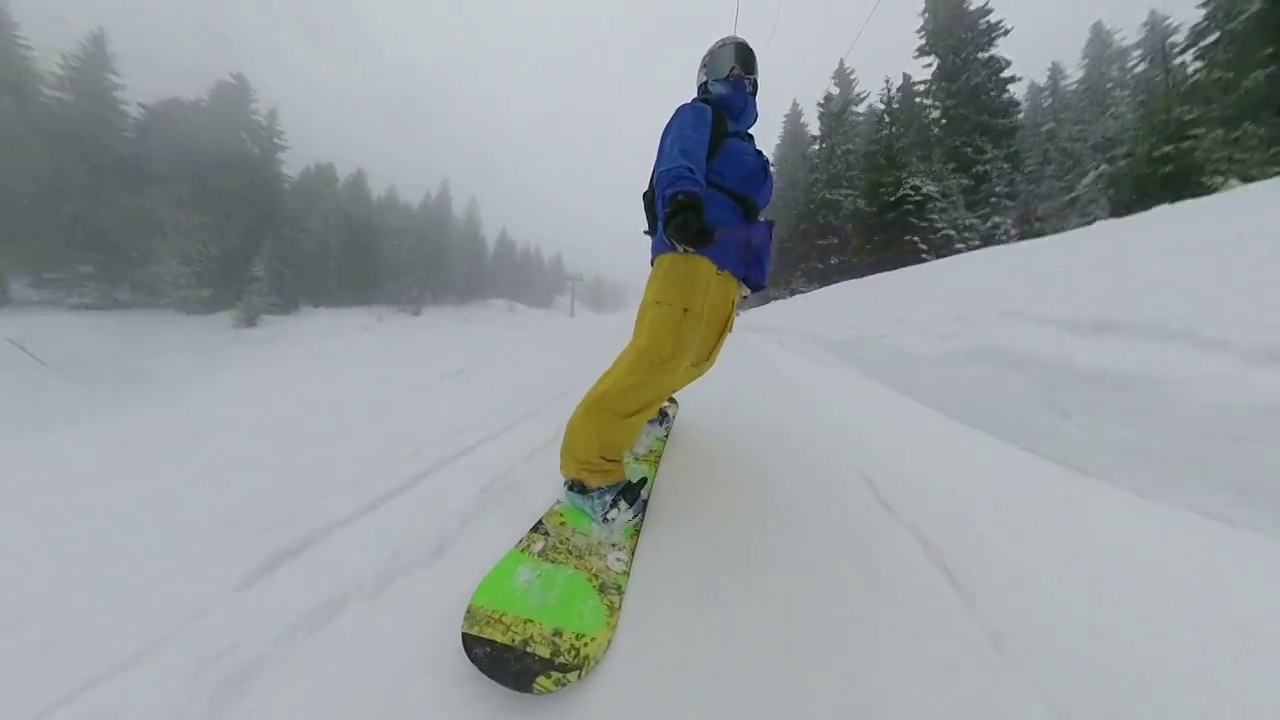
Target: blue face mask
{"x": 733, "y": 94}
{"x": 736, "y": 85}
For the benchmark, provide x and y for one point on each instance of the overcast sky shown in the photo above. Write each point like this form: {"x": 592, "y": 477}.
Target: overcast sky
{"x": 547, "y": 111}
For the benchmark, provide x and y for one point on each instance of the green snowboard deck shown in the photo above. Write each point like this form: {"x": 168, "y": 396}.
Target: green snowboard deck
{"x": 546, "y": 612}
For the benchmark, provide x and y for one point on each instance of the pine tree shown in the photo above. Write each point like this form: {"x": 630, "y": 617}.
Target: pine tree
{"x": 87, "y": 87}
{"x": 188, "y": 205}
{"x": 90, "y": 129}
{"x": 1156, "y": 67}
{"x": 1236, "y": 46}
{"x": 20, "y": 78}
{"x": 540, "y": 291}
{"x": 1162, "y": 165}
{"x": 1102, "y": 117}
{"x": 945, "y": 220}
{"x": 1047, "y": 144}
{"x": 315, "y": 214}
{"x": 914, "y": 122}
{"x": 505, "y": 266}
{"x": 901, "y": 225}
{"x": 1031, "y": 146}
{"x": 279, "y": 243}
{"x": 359, "y": 242}
{"x": 24, "y": 155}
{"x": 557, "y": 275}
{"x": 257, "y": 298}
{"x": 522, "y": 291}
{"x": 444, "y": 256}
{"x": 825, "y": 221}
{"x": 975, "y": 111}
{"x": 1161, "y": 161}
{"x": 401, "y": 263}
{"x": 791, "y": 179}
{"x": 473, "y": 281}
{"x": 231, "y": 176}
{"x": 417, "y": 270}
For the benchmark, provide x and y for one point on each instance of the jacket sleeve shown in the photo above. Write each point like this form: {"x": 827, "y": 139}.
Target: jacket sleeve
{"x": 681, "y": 164}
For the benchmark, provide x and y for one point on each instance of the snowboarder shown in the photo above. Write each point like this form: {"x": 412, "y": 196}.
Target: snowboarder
{"x": 709, "y": 249}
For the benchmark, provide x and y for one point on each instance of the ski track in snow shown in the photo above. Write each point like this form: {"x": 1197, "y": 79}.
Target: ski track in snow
{"x": 828, "y": 352}
{"x": 117, "y": 669}
{"x": 929, "y": 550}
{"x": 453, "y": 449}
{"x": 312, "y": 620}
{"x": 237, "y": 675}
{"x": 1138, "y": 631}
{"x": 296, "y": 548}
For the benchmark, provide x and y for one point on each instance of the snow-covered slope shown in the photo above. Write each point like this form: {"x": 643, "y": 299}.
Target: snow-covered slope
{"x": 1143, "y": 351}
{"x": 1032, "y": 482}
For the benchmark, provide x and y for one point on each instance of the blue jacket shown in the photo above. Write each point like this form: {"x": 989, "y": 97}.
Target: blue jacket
{"x": 741, "y": 248}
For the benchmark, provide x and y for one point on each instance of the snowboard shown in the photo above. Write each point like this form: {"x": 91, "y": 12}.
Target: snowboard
{"x": 543, "y": 616}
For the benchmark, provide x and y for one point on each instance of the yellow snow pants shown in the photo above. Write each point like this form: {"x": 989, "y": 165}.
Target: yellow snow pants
{"x": 685, "y": 315}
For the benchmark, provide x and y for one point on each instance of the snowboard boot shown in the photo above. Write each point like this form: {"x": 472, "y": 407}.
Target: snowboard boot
{"x": 622, "y": 501}
{"x": 654, "y": 428}
{"x": 615, "y": 504}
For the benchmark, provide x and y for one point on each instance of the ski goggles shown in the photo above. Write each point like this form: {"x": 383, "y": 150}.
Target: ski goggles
{"x": 732, "y": 59}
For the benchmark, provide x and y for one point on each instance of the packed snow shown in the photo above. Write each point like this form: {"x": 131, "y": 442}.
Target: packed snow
{"x": 1034, "y": 481}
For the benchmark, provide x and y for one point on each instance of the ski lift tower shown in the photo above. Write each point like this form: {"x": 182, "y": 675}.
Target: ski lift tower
{"x": 574, "y": 279}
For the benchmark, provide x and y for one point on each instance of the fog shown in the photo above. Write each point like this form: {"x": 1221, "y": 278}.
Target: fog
{"x": 546, "y": 111}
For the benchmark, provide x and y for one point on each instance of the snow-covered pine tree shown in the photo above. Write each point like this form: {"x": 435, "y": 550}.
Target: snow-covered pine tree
{"x": 90, "y": 127}
{"x": 1031, "y": 182}
{"x": 400, "y": 270}
{"x": 1101, "y": 119}
{"x": 944, "y": 224}
{"x": 900, "y": 224}
{"x": 1156, "y": 65}
{"x": 188, "y": 203}
{"x": 473, "y": 278}
{"x": 505, "y": 266}
{"x": 273, "y": 232}
{"x": 791, "y": 158}
{"x": 257, "y": 299}
{"x": 1235, "y": 47}
{"x": 443, "y": 255}
{"x": 24, "y": 163}
{"x": 557, "y": 275}
{"x": 359, "y": 256}
{"x": 1161, "y": 161}
{"x": 541, "y": 292}
{"x": 825, "y": 221}
{"x": 975, "y": 110}
{"x": 1047, "y": 143}
{"x": 524, "y": 275}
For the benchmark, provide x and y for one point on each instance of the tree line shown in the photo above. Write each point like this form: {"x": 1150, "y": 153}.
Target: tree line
{"x": 185, "y": 203}
{"x": 956, "y": 161}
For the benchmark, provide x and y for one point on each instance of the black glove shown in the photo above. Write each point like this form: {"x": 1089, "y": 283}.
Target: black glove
{"x": 682, "y": 222}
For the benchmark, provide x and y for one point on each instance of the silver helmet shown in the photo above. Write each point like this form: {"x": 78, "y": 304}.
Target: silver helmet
{"x": 725, "y": 56}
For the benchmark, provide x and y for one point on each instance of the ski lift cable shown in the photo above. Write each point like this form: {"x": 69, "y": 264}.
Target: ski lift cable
{"x": 777, "y": 13}
{"x": 866, "y": 21}
{"x": 861, "y": 30}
